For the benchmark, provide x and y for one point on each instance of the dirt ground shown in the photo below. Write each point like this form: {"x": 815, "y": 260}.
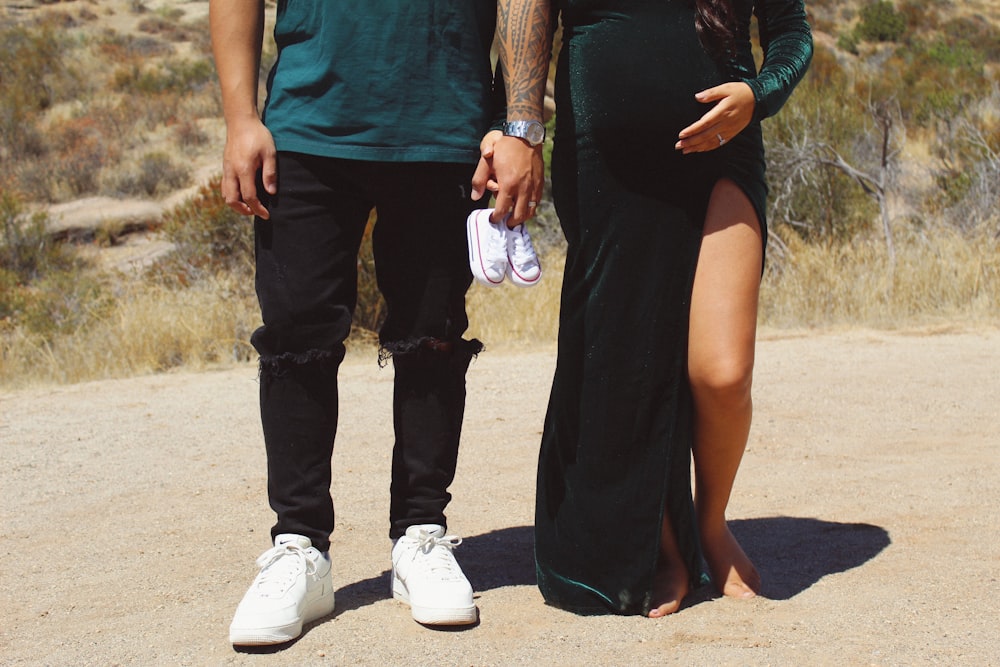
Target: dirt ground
{"x": 133, "y": 511}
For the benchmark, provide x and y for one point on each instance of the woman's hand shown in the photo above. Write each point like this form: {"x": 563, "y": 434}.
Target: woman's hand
{"x": 732, "y": 112}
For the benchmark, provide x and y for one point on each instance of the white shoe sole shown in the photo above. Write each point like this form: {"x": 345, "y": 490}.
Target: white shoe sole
{"x": 434, "y": 615}
{"x": 520, "y": 280}
{"x": 320, "y": 607}
{"x": 475, "y": 256}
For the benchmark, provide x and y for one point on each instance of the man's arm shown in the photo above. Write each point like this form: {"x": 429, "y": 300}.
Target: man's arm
{"x": 524, "y": 38}
{"x": 237, "y": 28}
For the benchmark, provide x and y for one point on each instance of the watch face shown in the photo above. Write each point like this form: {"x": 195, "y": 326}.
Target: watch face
{"x": 536, "y": 133}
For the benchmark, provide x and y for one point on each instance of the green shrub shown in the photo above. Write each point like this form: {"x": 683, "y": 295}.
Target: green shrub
{"x": 977, "y": 31}
{"x": 45, "y": 287}
{"x": 33, "y": 77}
{"x": 209, "y": 237}
{"x": 955, "y": 55}
{"x": 933, "y": 79}
{"x": 174, "y": 77}
{"x": 26, "y": 250}
{"x": 62, "y": 302}
{"x": 880, "y": 22}
{"x": 848, "y": 41}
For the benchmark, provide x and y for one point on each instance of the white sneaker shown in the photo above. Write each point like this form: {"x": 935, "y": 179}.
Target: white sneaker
{"x": 293, "y": 587}
{"x": 487, "y": 247}
{"x": 426, "y": 576}
{"x": 523, "y": 266}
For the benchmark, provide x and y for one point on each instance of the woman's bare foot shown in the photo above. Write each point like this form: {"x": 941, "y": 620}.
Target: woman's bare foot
{"x": 732, "y": 572}
{"x": 670, "y": 585}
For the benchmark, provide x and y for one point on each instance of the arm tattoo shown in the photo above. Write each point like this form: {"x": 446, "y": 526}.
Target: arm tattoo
{"x": 525, "y": 40}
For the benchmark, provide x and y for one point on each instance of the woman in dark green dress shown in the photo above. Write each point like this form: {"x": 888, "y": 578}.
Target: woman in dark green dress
{"x": 658, "y": 180}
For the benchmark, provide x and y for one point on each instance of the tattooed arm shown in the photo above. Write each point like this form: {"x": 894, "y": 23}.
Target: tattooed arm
{"x": 525, "y": 41}
{"x": 524, "y": 36}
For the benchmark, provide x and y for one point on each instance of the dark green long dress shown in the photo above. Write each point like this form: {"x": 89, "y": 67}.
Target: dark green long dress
{"x": 617, "y": 439}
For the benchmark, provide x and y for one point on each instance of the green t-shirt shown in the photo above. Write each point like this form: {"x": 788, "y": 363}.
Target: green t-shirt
{"x": 382, "y": 80}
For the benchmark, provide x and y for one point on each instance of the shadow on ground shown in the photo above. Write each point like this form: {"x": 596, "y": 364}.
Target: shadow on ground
{"x": 791, "y": 553}
{"x": 794, "y": 553}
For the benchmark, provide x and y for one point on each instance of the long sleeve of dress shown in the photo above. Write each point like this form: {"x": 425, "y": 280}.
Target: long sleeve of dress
{"x": 786, "y": 40}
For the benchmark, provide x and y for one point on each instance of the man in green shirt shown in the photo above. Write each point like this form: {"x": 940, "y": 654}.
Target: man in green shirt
{"x": 384, "y": 105}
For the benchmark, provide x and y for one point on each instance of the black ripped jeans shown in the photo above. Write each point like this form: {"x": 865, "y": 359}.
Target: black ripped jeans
{"x": 306, "y": 283}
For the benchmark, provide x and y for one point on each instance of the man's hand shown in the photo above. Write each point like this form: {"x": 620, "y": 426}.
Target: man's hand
{"x": 249, "y": 150}
{"x": 513, "y": 172}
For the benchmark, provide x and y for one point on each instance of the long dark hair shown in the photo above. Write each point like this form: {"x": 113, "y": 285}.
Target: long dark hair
{"x": 715, "y": 22}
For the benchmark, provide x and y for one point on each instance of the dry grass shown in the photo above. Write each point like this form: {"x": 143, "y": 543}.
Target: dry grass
{"x": 511, "y": 315}
{"x": 149, "y": 329}
{"x": 939, "y": 277}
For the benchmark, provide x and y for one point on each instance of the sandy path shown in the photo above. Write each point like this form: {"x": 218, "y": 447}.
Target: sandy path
{"x": 134, "y": 509}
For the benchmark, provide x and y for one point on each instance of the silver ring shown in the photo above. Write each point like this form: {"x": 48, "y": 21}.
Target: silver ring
{"x": 721, "y": 140}
{"x": 532, "y": 204}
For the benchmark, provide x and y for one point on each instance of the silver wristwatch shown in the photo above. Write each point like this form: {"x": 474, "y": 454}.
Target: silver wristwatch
{"x": 531, "y": 131}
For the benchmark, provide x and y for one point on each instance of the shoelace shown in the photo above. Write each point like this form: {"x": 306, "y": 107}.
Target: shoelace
{"x": 437, "y": 559}
{"x": 497, "y": 247}
{"x": 279, "y": 566}
{"x": 524, "y": 251}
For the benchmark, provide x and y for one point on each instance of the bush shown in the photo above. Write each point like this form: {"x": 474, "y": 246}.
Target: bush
{"x": 817, "y": 203}
{"x": 26, "y": 251}
{"x": 849, "y": 41}
{"x": 210, "y": 239}
{"x": 880, "y": 22}
{"x": 174, "y": 77}
{"x": 45, "y": 288}
{"x": 975, "y": 30}
{"x": 34, "y": 76}
{"x": 968, "y": 178}
{"x": 61, "y": 303}
{"x": 939, "y": 78}
{"x": 79, "y": 151}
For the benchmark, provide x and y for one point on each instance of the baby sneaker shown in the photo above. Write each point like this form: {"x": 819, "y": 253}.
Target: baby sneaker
{"x": 487, "y": 247}
{"x": 522, "y": 262}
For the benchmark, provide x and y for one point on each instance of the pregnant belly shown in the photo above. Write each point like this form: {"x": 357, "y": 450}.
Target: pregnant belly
{"x": 636, "y": 72}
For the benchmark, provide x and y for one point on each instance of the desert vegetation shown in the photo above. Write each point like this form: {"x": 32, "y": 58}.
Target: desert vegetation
{"x": 884, "y": 171}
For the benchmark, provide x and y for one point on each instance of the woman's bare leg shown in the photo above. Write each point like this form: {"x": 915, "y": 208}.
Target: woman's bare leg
{"x": 720, "y": 364}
